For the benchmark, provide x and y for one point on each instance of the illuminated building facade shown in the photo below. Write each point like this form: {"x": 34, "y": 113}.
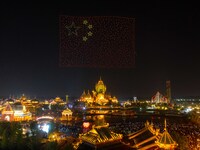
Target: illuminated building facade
{"x": 16, "y": 112}
{"x": 8, "y": 113}
{"x": 30, "y": 105}
{"x": 20, "y": 112}
{"x": 66, "y": 114}
{"x": 159, "y": 98}
{"x": 149, "y": 138}
{"x": 98, "y": 95}
{"x": 144, "y": 138}
{"x": 166, "y": 141}
{"x": 99, "y": 136}
{"x": 57, "y": 101}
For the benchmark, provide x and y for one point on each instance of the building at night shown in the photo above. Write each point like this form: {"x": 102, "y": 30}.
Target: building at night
{"x": 166, "y": 141}
{"x": 29, "y": 104}
{"x": 7, "y": 113}
{"x": 145, "y": 138}
{"x": 149, "y": 138}
{"x": 159, "y": 98}
{"x": 57, "y": 101}
{"x": 98, "y": 96}
{"x": 66, "y": 114}
{"x": 100, "y": 136}
{"x": 16, "y": 112}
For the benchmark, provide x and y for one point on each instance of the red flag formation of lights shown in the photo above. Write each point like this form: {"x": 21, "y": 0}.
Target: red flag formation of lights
{"x": 97, "y": 41}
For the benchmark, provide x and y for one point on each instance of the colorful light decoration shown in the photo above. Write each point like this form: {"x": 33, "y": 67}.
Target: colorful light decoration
{"x": 45, "y": 117}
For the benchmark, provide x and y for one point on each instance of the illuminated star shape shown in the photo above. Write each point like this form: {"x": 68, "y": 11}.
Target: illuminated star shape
{"x": 85, "y": 22}
{"x": 72, "y": 29}
{"x": 90, "y": 26}
{"x": 85, "y": 38}
{"x": 90, "y": 33}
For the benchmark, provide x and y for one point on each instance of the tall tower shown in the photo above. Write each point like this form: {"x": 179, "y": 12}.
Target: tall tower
{"x": 67, "y": 98}
{"x": 168, "y": 90}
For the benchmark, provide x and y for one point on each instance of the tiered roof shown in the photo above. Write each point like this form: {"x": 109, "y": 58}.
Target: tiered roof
{"x": 8, "y": 109}
{"x": 100, "y": 135}
{"x": 166, "y": 141}
{"x": 143, "y": 139}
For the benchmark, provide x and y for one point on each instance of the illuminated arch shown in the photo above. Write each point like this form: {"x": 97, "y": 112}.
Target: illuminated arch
{"x": 45, "y": 117}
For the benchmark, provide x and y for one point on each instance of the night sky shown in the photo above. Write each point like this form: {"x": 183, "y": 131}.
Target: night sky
{"x": 167, "y": 48}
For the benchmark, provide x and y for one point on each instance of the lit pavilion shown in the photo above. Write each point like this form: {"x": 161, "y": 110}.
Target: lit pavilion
{"x": 100, "y": 136}
{"x": 66, "y": 114}
{"x": 149, "y": 138}
{"x": 144, "y": 139}
{"x": 166, "y": 141}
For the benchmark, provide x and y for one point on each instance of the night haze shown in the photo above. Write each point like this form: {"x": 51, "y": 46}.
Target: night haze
{"x": 167, "y": 48}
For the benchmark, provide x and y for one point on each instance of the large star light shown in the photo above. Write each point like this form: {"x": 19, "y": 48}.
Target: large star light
{"x": 72, "y": 29}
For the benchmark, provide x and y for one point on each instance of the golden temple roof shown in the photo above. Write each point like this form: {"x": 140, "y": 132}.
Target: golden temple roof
{"x": 88, "y": 94}
{"x": 58, "y": 99}
{"x": 166, "y": 141}
{"x": 83, "y": 94}
{"x": 67, "y": 111}
{"x": 143, "y": 139}
{"x": 7, "y": 108}
{"x": 100, "y": 135}
{"x": 100, "y": 87}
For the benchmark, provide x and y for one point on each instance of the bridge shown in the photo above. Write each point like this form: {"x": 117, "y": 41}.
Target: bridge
{"x": 45, "y": 118}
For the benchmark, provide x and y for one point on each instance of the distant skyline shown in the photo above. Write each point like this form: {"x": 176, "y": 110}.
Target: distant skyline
{"x": 167, "y": 48}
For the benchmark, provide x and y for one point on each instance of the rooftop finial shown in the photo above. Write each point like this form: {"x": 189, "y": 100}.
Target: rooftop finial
{"x": 165, "y": 128}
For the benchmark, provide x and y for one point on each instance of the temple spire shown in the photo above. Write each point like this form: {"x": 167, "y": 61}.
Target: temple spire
{"x": 166, "y": 141}
{"x": 165, "y": 128}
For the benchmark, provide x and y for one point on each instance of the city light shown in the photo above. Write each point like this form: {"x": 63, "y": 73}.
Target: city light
{"x": 44, "y": 127}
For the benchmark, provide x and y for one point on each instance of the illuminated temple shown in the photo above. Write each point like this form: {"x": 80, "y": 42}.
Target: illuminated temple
{"x": 166, "y": 141}
{"x": 66, "y": 114}
{"x": 100, "y": 136}
{"x": 98, "y": 95}
{"x": 17, "y": 111}
{"x": 144, "y": 138}
{"x": 149, "y": 138}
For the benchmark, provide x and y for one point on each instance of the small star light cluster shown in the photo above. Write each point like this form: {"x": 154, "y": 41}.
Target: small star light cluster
{"x": 107, "y": 42}
{"x": 89, "y": 27}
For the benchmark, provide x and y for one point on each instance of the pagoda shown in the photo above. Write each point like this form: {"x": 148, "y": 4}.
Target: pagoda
{"x": 166, "y": 141}
{"x": 100, "y": 136}
{"x": 143, "y": 139}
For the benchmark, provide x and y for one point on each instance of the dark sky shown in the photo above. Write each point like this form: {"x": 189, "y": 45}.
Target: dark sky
{"x": 167, "y": 48}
